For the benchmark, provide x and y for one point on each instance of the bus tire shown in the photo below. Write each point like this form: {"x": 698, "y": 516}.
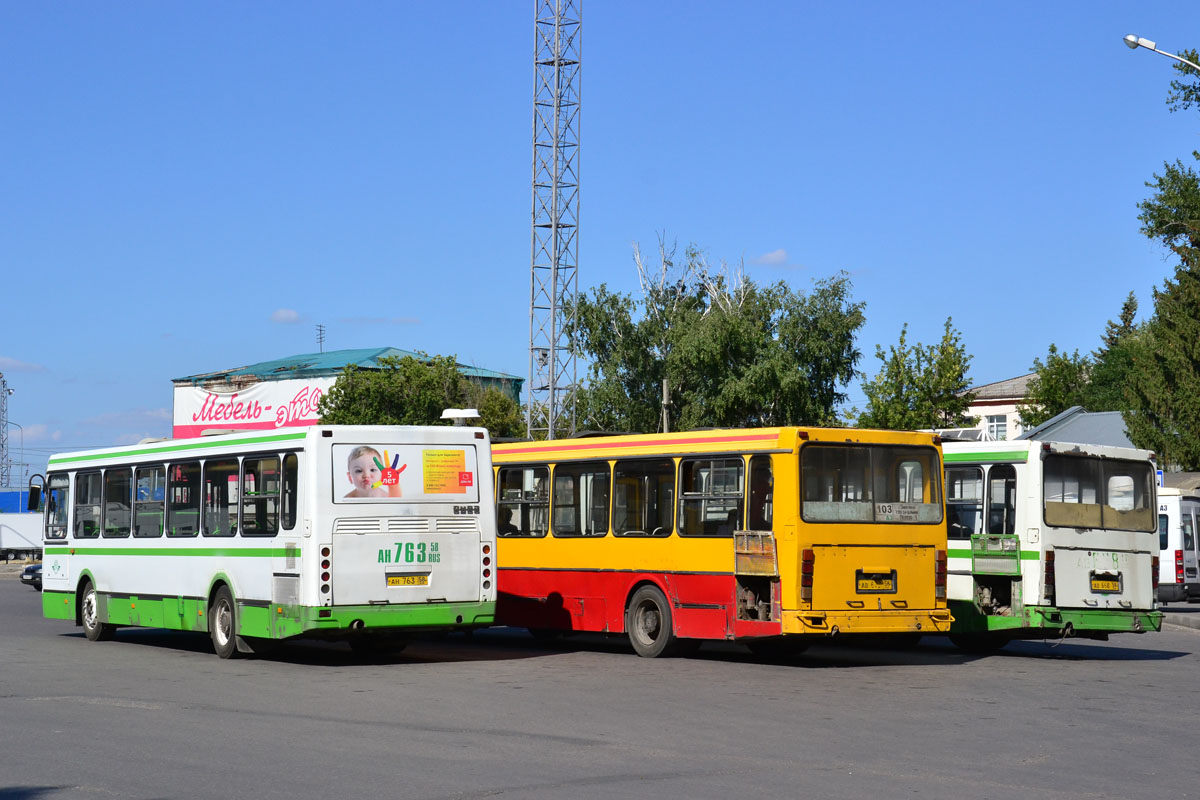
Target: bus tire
{"x": 89, "y": 614}
{"x": 222, "y": 623}
{"x": 649, "y": 625}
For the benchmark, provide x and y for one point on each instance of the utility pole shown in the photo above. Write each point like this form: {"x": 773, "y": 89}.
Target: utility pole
{"x": 553, "y": 280}
{"x": 5, "y": 457}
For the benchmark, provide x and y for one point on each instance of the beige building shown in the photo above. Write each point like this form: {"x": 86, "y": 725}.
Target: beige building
{"x": 995, "y": 405}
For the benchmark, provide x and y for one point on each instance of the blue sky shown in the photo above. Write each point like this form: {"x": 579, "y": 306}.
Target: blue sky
{"x": 193, "y": 187}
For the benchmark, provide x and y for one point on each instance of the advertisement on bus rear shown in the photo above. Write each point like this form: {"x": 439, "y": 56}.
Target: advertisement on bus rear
{"x": 411, "y": 473}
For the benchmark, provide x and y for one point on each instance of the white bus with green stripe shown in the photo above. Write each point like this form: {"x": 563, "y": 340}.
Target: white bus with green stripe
{"x": 1049, "y": 540}
{"x": 356, "y": 533}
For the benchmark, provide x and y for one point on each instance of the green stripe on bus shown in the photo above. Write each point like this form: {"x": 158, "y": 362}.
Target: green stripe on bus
{"x": 1020, "y": 456}
{"x": 233, "y": 552}
{"x": 1026, "y": 555}
{"x": 174, "y": 448}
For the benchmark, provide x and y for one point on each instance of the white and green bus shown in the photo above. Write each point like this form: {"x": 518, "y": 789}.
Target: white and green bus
{"x": 359, "y": 533}
{"x": 1049, "y": 539}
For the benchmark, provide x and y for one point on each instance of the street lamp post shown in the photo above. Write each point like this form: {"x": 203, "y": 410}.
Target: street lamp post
{"x": 1134, "y": 42}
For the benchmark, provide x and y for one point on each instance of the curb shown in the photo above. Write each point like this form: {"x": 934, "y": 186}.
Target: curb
{"x": 1182, "y": 620}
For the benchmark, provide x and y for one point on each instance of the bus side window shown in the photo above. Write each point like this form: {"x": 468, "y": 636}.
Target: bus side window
{"x": 183, "y": 504}
{"x": 58, "y": 499}
{"x": 964, "y": 501}
{"x": 87, "y": 505}
{"x": 523, "y": 501}
{"x": 118, "y": 491}
{"x": 711, "y": 496}
{"x": 291, "y": 475}
{"x": 260, "y": 496}
{"x": 761, "y": 494}
{"x": 1162, "y": 532}
{"x": 221, "y": 497}
{"x": 148, "y": 502}
{"x": 579, "y": 500}
{"x": 1002, "y": 499}
{"x": 643, "y": 502}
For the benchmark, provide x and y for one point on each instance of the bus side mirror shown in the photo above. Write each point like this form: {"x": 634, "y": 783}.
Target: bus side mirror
{"x": 35, "y": 498}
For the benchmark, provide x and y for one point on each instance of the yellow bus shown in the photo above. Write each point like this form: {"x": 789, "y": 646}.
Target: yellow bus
{"x": 767, "y": 535}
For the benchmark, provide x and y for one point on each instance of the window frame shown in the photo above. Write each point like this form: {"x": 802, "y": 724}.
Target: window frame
{"x": 720, "y": 530}
{"x": 529, "y": 501}
{"x": 140, "y": 506}
{"x": 659, "y": 531}
{"x": 980, "y": 504}
{"x": 871, "y": 481}
{"x": 245, "y": 497}
{"x": 583, "y": 468}
{"x": 204, "y": 495}
{"x": 112, "y": 475}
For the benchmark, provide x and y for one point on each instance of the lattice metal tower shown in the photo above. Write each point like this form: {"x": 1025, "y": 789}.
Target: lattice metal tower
{"x": 553, "y": 274}
{"x": 5, "y": 459}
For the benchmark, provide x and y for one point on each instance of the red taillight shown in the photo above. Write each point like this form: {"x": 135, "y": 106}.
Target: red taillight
{"x": 1049, "y": 576}
{"x": 326, "y": 554}
{"x": 1154, "y": 570}
{"x": 487, "y": 561}
{"x": 487, "y": 548}
{"x": 325, "y": 577}
{"x": 1179, "y": 566}
{"x": 807, "y": 561}
{"x": 939, "y": 576}
{"x": 487, "y": 573}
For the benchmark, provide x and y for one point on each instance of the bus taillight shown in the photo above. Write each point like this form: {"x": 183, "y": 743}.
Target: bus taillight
{"x": 807, "y": 560}
{"x": 1154, "y": 572}
{"x": 939, "y": 576}
{"x": 325, "y": 563}
{"x": 1179, "y": 566}
{"x": 1049, "y": 576}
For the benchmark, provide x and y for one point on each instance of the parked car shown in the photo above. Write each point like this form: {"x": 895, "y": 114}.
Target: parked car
{"x": 32, "y": 576}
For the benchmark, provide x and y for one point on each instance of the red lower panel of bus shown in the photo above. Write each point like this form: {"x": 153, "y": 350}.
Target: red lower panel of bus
{"x": 574, "y": 600}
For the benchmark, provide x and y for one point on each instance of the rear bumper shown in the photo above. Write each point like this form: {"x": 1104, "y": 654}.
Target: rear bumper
{"x": 1035, "y": 622}
{"x": 347, "y": 620}
{"x": 826, "y": 622}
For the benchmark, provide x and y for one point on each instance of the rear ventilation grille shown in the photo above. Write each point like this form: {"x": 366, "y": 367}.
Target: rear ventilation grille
{"x": 357, "y": 525}
{"x": 462, "y": 525}
{"x": 407, "y": 525}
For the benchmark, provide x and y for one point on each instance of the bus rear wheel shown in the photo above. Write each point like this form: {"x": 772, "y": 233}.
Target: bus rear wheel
{"x": 648, "y": 622}
{"x": 89, "y": 613}
{"x": 222, "y": 623}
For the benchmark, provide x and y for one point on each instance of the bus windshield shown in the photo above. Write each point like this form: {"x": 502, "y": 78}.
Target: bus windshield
{"x": 1090, "y": 492}
{"x": 870, "y": 483}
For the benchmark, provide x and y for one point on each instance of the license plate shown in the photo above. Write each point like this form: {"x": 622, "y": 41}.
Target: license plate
{"x": 407, "y": 580}
{"x": 875, "y": 583}
{"x": 1106, "y": 584}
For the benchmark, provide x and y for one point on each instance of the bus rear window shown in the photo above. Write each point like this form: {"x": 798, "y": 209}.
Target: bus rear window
{"x": 870, "y": 483}
{"x": 1091, "y": 492}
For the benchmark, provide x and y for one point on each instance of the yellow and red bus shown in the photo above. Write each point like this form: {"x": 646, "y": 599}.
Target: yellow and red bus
{"x": 767, "y": 535}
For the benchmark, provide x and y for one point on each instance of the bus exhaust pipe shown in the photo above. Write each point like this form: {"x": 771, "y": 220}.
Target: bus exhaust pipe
{"x": 357, "y": 626}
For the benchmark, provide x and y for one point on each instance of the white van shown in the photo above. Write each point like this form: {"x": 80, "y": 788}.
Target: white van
{"x": 1178, "y": 545}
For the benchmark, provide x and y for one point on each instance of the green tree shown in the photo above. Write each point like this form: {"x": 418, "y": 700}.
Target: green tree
{"x": 733, "y": 353}
{"x": 413, "y": 391}
{"x": 1060, "y": 383}
{"x": 920, "y": 386}
{"x": 1163, "y": 388}
{"x": 1109, "y": 374}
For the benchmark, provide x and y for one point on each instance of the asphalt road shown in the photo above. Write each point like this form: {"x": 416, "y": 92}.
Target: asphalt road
{"x": 154, "y": 714}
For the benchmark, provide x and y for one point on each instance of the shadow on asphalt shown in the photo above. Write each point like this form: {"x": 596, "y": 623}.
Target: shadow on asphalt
{"x": 504, "y": 644}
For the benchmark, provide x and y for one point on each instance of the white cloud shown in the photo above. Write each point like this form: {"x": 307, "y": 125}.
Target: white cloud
{"x": 774, "y": 258}
{"x": 286, "y": 316}
{"x": 38, "y": 433}
{"x": 13, "y": 365}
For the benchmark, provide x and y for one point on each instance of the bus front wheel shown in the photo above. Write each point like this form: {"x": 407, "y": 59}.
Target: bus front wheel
{"x": 93, "y": 628}
{"x": 222, "y": 623}
{"x": 648, "y": 622}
